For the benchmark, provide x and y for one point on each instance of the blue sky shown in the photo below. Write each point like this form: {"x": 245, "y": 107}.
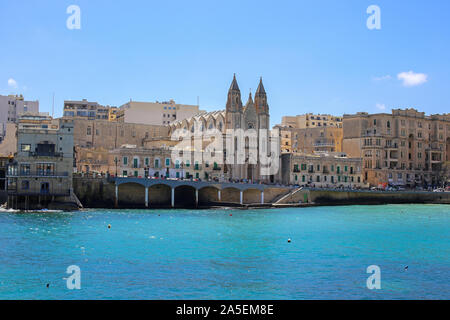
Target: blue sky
{"x": 314, "y": 56}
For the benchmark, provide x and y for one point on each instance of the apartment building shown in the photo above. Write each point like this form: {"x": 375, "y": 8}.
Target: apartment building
{"x": 155, "y": 113}
{"x": 43, "y": 166}
{"x": 311, "y": 120}
{"x": 323, "y": 171}
{"x": 11, "y": 108}
{"x": 405, "y": 148}
{"x": 111, "y": 135}
{"x": 88, "y": 110}
{"x": 311, "y": 140}
{"x": 156, "y": 161}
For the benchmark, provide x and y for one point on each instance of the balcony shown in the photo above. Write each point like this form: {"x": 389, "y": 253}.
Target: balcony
{"x": 38, "y": 173}
{"x": 323, "y": 144}
{"x": 56, "y": 193}
{"x": 394, "y": 146}
{"x": 371, "y": 134}
{"x": 35, "y": 154}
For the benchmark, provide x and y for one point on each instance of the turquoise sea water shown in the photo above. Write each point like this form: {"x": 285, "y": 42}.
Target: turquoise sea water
{"x": 208, "y": 254}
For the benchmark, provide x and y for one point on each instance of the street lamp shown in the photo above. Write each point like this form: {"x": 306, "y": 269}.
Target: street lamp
{"x": 116, "y": 161}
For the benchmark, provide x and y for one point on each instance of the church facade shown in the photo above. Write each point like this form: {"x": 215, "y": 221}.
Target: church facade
{"x": 245, "y": 135}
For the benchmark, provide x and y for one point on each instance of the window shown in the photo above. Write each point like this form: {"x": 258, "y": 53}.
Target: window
{"x": 25, "y": 185}
{"x": 167, "y": 162}
{"x": 156, "y": 163}
{"x": 25, "y": 147}
{"x": 135, "y": 163}
{"x": 125, "y": 173}
{"x": 45, "y": 169}
{"x": 147, "y": 161}
{"x": 125, "y": 161}
{"x": 25, "y": 169}
{"x": 89, "y": 131}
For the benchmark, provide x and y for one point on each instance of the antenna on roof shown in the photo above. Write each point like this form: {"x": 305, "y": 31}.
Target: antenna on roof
{"x": 53, "y": 106}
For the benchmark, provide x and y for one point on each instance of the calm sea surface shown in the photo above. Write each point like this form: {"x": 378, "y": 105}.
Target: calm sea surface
{"x": 208, "y": 254}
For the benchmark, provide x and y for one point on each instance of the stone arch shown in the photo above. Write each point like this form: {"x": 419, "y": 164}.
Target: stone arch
{"x": 220, "y": 122}
{"x": 131, "y": 195}
{"x": 231, "y": 194}
{"x": 185, "y": 196}
{"x": 211, "y": 123}
{"x": 159, "y": 195}
{"x": 208, "y": 195}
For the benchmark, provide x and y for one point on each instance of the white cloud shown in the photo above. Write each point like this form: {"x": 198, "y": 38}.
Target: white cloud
{"x": 386, "y": 77}
{"x": 12, "y": 83}
{"x": 381, "y": 106}
{"x": 411, "y": 79}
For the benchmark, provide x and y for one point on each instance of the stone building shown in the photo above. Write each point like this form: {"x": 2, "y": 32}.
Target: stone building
{"x": 43, "y": 165}
{"x": 311, "y": 120}
{"x": 405, "y": 148}
{"x": 157, "y": 162}
{"x": 11, "y": 108}
{"x": 253, "y": 117}
{"x": 155, "y": 113}
{"x": 86, "y": 110}
{"x": 112, "y": 135}
{"x": 325, "y": 170}
{"x": 311, "y": 140}
{"x": 94, "y": 138}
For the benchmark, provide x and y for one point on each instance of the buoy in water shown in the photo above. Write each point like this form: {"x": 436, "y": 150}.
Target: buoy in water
{"x": 109, "y": 226}
{"x": 406, "y": 268}
{"x": 289, "y": 240}
{"x": 48, "y": 285}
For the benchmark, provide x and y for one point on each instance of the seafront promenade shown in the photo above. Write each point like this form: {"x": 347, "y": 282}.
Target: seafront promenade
{"x": 195, "y": 186}
{"x": 134, "y": 192}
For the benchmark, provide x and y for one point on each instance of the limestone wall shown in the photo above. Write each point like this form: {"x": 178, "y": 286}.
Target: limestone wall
{"x": 99, "y": 193}
{"x": 328, "y": 197}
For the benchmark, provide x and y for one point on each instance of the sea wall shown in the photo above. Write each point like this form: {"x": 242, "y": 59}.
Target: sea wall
{"x": 3, "y": 197}
{"x": 100, "y": 193}
{"x": 337, "y": 197}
